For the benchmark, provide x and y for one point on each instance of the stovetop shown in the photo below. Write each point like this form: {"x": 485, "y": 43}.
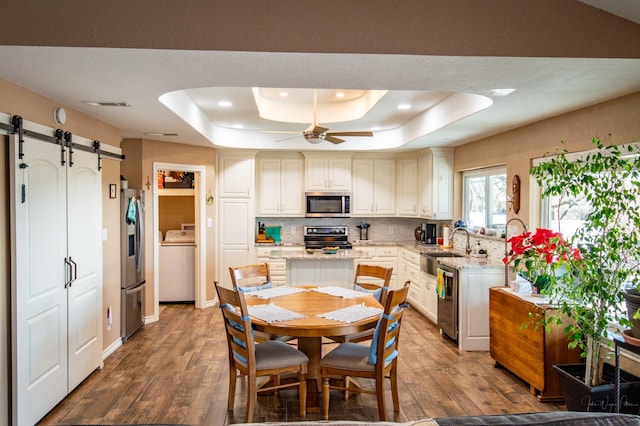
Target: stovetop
{"x": 325, "y": 236}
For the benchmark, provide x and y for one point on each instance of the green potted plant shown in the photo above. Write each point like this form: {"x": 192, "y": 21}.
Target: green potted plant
{"x": 589, "y": 291}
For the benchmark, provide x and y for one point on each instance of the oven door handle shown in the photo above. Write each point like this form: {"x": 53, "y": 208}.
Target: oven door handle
{"x": 446, "y": 273}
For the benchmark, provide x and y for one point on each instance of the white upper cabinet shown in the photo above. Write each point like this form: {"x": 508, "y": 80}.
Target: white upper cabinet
{"x": 280, "y": 186}
{"x": 435, "y": 179}
{"x": 236, "y": 176}
{"x": 407, "y": 188}
{"x": 373, "y": 187}
{"x": 328, "y": 172}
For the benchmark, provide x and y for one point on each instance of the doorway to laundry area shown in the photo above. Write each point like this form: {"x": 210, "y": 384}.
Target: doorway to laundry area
{"x": 179, "y": 237}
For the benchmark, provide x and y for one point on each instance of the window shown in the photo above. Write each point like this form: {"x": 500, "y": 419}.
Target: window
{"x": 485, "y": 197}
{"x": 564, "y": 214}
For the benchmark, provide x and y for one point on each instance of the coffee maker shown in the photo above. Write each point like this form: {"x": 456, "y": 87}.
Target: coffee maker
{"x": 428, "y": 233}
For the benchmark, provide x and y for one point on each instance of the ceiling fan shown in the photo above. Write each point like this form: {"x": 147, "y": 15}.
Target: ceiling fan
{"x": 316, "y": 133}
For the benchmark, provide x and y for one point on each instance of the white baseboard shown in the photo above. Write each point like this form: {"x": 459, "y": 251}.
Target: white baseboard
{"x": 111, "y": 348}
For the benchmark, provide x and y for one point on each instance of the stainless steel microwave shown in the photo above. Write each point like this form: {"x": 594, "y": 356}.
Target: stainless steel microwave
{"x": 328, "y": 204}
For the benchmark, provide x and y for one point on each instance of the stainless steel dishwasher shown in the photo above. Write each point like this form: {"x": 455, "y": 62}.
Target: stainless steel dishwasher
{"x": 448, "y": 301}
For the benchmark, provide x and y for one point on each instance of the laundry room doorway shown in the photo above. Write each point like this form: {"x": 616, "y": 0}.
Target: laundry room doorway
{"x": 179, "y": 237}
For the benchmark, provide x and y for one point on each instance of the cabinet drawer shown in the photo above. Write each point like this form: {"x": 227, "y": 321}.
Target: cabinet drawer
{"x": 411, "y": 257}
{"x": 262, "y": 252}
{"x": 387, "y": 251}
{"x": 277, "y": 266}
{"x": 370, "y": 251}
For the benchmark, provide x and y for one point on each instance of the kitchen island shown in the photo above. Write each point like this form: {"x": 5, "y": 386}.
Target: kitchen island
{"x": 319, "y": 269}
{"x": 475, "y": 277}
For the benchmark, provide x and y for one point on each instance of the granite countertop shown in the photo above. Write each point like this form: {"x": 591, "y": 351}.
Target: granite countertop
{"x": 319, "y": 255}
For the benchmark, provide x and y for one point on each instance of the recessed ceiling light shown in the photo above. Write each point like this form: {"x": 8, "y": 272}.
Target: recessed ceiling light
{"x": 224, "y": 104}
{"x": 375, "y": 128}
{"x": 404, "y": 106}
{"x": 238, "y": 126}
{"x": 284, "y": 94}
{"x": 340, "y": 95}
{"x": 501, "y": 92}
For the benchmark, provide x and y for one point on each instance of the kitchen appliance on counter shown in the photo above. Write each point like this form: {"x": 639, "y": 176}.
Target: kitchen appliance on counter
{"x": 428, "y": 233}
{"x": 132, "y": 281}
{"x": 328, "y": 204}
{"x": 317, "y": 237}
{"x": 177, "y": 266}
{"x": 447, "y": 289}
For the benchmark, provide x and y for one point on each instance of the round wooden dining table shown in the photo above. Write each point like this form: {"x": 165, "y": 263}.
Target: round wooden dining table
{"x": 312, "y": 329}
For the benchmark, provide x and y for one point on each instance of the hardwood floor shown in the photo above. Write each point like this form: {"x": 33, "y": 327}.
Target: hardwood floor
{"x": 174, "y": 371}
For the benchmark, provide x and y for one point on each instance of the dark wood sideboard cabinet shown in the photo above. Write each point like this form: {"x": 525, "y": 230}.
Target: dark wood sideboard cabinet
{"x": 529, "y": 352}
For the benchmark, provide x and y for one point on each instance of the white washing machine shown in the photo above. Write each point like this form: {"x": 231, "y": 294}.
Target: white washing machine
{"x": 177, "y": 266}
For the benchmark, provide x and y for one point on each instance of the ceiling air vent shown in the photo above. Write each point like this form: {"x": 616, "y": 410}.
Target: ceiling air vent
{"x": 107, "y": 104}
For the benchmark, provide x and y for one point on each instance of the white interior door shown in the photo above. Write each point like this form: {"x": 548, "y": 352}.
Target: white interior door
{"x": 84, "y": 245}
{"x": 38, "y": 294}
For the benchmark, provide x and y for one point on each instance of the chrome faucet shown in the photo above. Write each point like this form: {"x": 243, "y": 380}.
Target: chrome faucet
{"x": 468, "y": 248}
{"x": 506, "y": 251}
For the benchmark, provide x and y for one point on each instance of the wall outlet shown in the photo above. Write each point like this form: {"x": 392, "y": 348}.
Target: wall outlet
{"x": 390, "y": 230}
{"x": 292, "y": 230}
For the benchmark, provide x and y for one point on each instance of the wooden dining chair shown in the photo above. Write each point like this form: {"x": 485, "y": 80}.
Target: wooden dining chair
{"x": 376, "y": 361}
{"x": 253, "y": 360}
{"x": 374, "y": 280}
{"x": 250, "y": 278}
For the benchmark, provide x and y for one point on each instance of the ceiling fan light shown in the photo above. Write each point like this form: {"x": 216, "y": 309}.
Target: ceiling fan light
{"x": 314, "y": 140}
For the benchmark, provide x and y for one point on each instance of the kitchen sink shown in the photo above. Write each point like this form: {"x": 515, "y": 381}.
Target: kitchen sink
{"x": 429, "y": 260}
{"x": 442, "y": 254}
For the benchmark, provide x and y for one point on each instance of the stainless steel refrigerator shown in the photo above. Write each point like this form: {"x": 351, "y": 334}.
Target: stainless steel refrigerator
{"x": 132, "y": 262}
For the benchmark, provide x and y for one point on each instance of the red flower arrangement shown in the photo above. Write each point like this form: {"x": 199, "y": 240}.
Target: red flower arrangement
{"x": 537, "y": 256}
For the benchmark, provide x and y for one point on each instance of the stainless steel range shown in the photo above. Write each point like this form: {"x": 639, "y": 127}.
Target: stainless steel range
{"x": 317, "y": 237}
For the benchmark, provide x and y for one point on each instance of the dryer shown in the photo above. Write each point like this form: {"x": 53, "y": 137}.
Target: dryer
{"x": 177, "y": 266}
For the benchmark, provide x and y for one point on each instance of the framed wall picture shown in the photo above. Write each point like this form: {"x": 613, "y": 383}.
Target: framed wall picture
{"x": 112, "y": 190}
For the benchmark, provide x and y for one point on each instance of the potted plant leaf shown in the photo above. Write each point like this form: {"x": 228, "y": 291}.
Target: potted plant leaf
{"x": 589, "y": 292}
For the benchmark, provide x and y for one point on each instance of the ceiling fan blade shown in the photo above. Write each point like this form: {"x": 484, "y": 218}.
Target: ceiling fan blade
{"x": 333, "y": 140}
{"x": 318, "y": 129}
{"x": 350, "y": 133}
{"x": 286, "y": 139}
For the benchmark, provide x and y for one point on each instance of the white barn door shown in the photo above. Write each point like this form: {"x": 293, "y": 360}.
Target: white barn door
{"x": 56, "y": 295}
{"x": 84, "y": 248}
{"x": 38, "y": 296}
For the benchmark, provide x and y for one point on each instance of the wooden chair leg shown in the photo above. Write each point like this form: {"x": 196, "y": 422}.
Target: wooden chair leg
{"x": 276, "y": 392}
{"x": 232, "y": 388}
{"x": 325, "y": 397}
{"x": 302, "y": 394}
{"x": 347, "y": 382}
{"x": 380, "y": 398}
{"x": 252, "y": 396}
{"x": 394, "y": 389}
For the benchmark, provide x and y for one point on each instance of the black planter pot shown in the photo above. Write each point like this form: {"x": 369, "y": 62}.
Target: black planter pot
{"x": 580, "y": 397}
{"x": 632, "y": 297}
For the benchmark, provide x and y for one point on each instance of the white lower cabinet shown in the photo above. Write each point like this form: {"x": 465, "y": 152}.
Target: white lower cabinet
{"x": 422, "y": 296}
{"x": 409, "y": 267}
{"x": 430, "y": 297}
{"x": 473, "y": 306}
